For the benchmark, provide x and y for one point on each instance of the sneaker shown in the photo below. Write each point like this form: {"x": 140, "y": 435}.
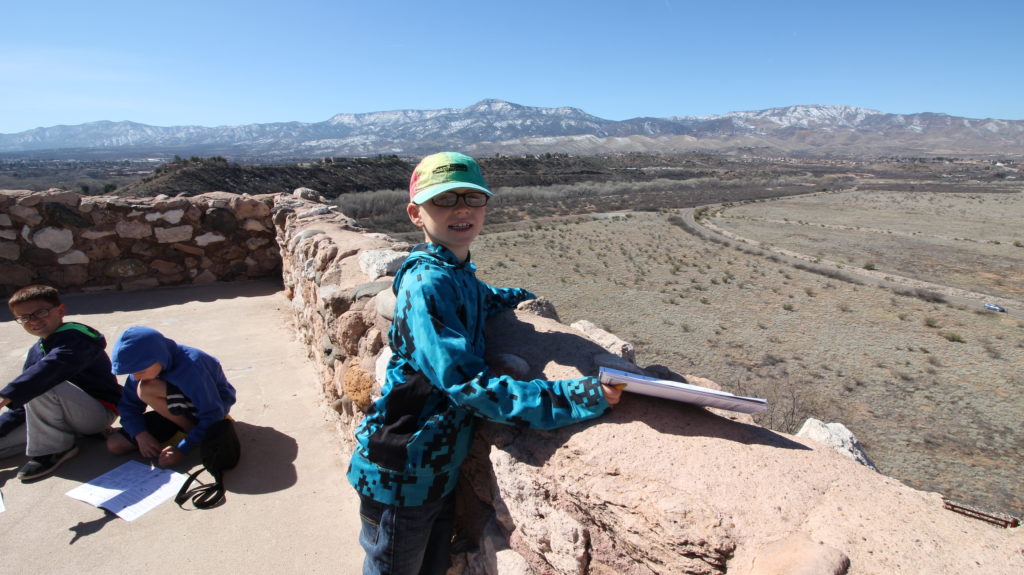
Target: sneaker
{"x": 45, "y": 464}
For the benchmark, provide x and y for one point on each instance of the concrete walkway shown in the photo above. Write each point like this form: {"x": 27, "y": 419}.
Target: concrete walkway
{"x": 288, "y": 509}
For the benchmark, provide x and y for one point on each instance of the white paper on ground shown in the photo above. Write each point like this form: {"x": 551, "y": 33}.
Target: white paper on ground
{"x": 130, "y": 490}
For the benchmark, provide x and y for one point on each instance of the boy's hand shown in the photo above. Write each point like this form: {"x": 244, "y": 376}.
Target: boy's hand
{"x": 170, "y": 457}
{"x": 612, "y": 394}
{"x": 148, "y": 445}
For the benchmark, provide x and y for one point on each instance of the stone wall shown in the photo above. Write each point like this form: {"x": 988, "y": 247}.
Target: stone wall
{"x": 655, "y": 487}
{"x": 78, "y": 243}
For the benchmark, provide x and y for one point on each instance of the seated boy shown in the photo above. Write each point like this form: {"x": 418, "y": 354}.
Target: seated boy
{"x": 185, "y": 387}
{"x": 65, "y": 389}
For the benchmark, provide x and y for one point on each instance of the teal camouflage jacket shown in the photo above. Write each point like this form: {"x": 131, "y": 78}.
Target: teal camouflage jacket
{"x": 415, "y": 437}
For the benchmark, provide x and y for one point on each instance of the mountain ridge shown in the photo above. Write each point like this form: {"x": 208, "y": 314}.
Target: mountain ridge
{"x": 493, "y": 126}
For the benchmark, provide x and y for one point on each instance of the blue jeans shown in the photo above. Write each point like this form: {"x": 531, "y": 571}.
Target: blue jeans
{"x": 406, "y": 540}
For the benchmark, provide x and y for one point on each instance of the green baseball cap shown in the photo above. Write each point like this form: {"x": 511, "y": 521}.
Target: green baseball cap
{"x": 443, "y": 171}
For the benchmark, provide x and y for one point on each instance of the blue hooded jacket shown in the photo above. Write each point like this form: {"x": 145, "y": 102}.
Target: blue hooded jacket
{"x": 414, "y": 439}
{"x": 196, "y": 373}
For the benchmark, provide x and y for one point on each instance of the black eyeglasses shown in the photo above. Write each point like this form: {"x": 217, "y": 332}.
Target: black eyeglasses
{"x": 34, "y": 316}
{"x": 471, "y": 199}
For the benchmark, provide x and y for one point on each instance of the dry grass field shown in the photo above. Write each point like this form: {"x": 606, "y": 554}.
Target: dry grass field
{"x": 968, "y": 241}
{"x": 933, "y": 390}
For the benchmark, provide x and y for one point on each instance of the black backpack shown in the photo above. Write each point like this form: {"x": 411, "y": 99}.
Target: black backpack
{"x": 220, "y": 452}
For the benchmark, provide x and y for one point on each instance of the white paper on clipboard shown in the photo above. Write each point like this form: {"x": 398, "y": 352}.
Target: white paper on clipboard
{"x": 684, "y": 392}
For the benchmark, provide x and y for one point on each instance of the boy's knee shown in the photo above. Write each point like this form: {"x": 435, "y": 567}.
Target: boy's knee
{"x": 152, "y": 390}
{"x": 118, "y": 444}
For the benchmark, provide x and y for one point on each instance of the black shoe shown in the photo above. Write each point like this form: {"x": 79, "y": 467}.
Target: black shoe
{"x": 45, "y": 464}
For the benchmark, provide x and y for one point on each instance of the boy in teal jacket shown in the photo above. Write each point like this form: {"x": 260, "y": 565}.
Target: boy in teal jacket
{"x": 415, "y": 437}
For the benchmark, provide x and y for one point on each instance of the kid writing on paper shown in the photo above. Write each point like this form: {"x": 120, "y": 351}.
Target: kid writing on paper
{"x": 185, "y": 387}
{"x": 415, "y": 437}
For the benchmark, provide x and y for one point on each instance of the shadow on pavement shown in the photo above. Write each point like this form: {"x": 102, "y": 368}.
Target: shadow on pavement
{"x": 85, "y": 528}
{"x": 267, "y": 462}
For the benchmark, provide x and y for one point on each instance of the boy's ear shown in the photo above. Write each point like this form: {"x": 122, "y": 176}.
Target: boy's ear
{"x": 414, "y": 214}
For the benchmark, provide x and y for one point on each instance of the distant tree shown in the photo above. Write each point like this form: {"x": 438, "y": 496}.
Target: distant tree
{"x": 109, "y": 188}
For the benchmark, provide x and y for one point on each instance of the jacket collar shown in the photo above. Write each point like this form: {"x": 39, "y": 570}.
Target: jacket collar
{"x": 444, "y": 254}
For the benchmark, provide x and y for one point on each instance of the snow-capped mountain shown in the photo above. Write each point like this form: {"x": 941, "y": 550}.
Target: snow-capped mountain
{"x": 496, "y": 126}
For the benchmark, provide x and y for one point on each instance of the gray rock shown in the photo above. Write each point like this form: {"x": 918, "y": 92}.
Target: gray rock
{"x": 25, "y": 214}
{"x": 613, "y": 343}
{"x": 170, "y": 216}
{"x": 315, "y": 212}
{"x": 334, "y": 299}
{"x": 56, "y": 240}
{"x": 369, "y": 289}
{"x": 385, "y": 304}
{"x": 173, "y": 235}
{"x": 127, "y": 268}
{"x": 540, "y": 306}
{"x": 133, "y": 229}
{"x": 307, "y": 194}
{"x": 206, "y": 277}
{"x": 377, "y": 263}
{"x": 97, "y": 234}
{"x": 253, "y": 225}
{"x": 838, "y": 437}
{"x": 9, "y": 251}
{"x": 209, "y": 238}
{"x": 73, "y": 257}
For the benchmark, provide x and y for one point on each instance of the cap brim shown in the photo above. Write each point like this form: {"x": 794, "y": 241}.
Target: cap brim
{"x": 432, "y": 191}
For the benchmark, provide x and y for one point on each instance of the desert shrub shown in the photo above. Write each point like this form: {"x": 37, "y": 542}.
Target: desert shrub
{"x": 929, "y": 296}
{"x": 952, "y": 336}
{"x": 931, "y": 322}
{"x": 993, "y": 351}
{"x": 382, "y": 210}
{"x": 921, "y": 293}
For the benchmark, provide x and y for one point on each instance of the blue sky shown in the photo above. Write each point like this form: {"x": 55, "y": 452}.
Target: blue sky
{"x": 228, "y": 63}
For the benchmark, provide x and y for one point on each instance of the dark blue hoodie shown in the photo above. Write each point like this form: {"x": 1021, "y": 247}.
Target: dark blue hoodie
{"x": 196, "y": 373}
{"x": 75, "y": 353}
